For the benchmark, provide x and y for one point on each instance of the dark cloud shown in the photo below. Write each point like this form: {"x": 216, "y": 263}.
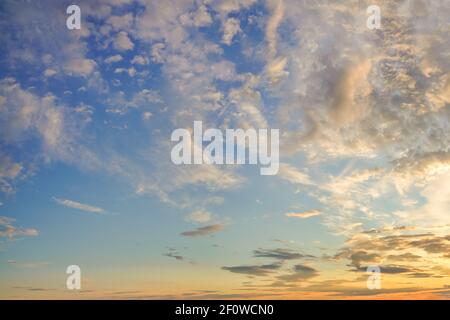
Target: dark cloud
{"x": 376, "y": 249}
{"x": 204, "y": 231}
{"x": 280, "y": 254}
{"x": 255, "y": 270}
{"x": 433, "y": 245}
{"x": 394, "y": 269}
{"x": 174, "y": 255}
{"x": 404, "y": 257}
{"x": 420, "y": 275}
{"x": 300, "y": 272}
{"x": 362, "y": 256}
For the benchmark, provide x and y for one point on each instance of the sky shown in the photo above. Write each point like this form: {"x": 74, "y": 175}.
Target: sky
{"x": 86, "y": 176}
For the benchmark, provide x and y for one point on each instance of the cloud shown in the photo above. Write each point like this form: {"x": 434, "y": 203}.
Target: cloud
{"x": 199, "y": 18}
{"x": 200, "y": 216}
{"x": 409, "y": 254}
{"x": 280, "y": 254}
{"x": 79, "y": 206}
{"x": 28, "y": 264}
{"x": 28, "y": 117}
{"x": 254, "y": 270}
{"x": 174, "y": 255}
{"x": 353, "y": 82}
{"x": 303, "y": 215}
{"x": 204, "y": 231}
{"x": 8, "y": 230}
{"x": 50, "y": 72}
{"x": 230, "y": 29}
{"x": 9, "y": 171}
{"x": 139, "y": 60}
{"x": 299, "y": 272}
{"x": 114, "y": 58}
{"x": 147, "y": 115}
{"x": 120, "y": 22}
{"x": 293, "y": 175}
{"x": 79, "y": 66}
{"x": 273, "y": 24}
{"x": 122, "y": 42}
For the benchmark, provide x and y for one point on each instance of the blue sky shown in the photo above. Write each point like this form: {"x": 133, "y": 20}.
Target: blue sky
{"x": 86, "y": 176}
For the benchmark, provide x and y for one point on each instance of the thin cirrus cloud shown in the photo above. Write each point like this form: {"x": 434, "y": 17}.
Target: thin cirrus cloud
{"x": 79, "y": 206}
{"x": 10, "y": 231}
{"x": 303, "y": 215}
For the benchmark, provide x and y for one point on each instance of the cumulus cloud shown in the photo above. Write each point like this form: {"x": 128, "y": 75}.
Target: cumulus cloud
{"x": 120, "y": 22}
{"x": 122, "y": 42}
{"x": 231, "y": 28}
{"x": 141, "y": 60}
{"x": 114, "y": 58}
{"x": 50, "y": 72}
{"x": 79, "y": 66}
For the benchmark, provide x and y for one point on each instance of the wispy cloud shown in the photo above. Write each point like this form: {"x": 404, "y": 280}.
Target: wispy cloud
{"x": 8, "y": 230}
{"x": 79, "y": 206}
{"x": 28, "y": 264}
{"x": 303, "y": 215}
{"x": 293, "y": 175}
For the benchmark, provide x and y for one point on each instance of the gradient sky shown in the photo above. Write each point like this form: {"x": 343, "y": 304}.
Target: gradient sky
{"x": 85, "y": 171}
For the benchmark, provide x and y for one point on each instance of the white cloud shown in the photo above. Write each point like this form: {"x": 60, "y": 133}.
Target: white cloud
{"x": 277, "y": 7}
{"x": 79, "y": 66}
{"x": 120, "y": 22}
{"x": 147, "y": 115}
{"x": 114, "y": 58}
{"x": 303, "y": 215}
{"x": 230, "y": 29}
{"x": 79, "y": 206}
{"x": 199, "y": 18}
{"x": 293, "y": 175}
{"x": 139, "y": 60}
{"x": 122, "y": 42}
{"x": 199, "y": 216}
{"x": 157, "y": 55}
{"x": 50, "y": 72}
